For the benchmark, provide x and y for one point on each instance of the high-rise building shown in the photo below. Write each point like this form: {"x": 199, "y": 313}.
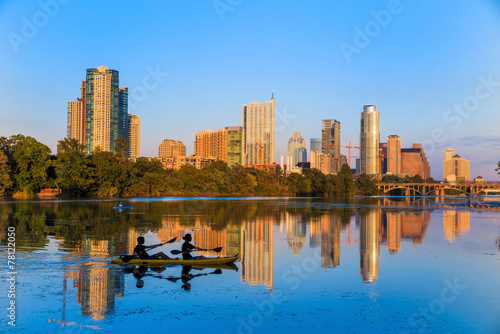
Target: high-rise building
{"x": 123, "y": 125}
{"x": 258, "y": 133}
{"x": 330, "y": 141}
{"x": 393, "y": 154}
{"x": 323, "y": 162}
{"x": 134, "y": 136}
{"x": 223, "y": 144}
{"x": 296, "y": 151}
{"x": 234, "y": 145}
{"x": 102, "y": 109}
{"x": 316, "y": 145}
{"x": 455, "y": 168}
{"x": 171, "y": 148}
{"x": 76, "y": 121}
{"x": 414, "y": 162}
{"x": 369, "y": 245}
{"x": 369, "y": 140}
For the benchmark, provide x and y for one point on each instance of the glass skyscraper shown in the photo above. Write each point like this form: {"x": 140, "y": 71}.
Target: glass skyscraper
{"x": 369, "y": 140}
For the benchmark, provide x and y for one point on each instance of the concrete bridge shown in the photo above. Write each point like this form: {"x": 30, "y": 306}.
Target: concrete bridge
{"x": 438, "y": 188}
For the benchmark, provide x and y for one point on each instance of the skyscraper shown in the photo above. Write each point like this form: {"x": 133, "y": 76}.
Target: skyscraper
{"x": 296, "y": 151}
{"x": 316, "y": 145}
{"x": 393, "y": 154}
{"x": 330, "y": 141}
{"x": 234, "y": 145}
{"x": 258, "y": 133}
{"x": 123, "y": 118}
{"x": 369, "y": 140}
{"x": 134, "y": 136}
{"x": 76, "y": 121}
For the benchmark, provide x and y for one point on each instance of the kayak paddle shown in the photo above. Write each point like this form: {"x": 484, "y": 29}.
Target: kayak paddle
{"x": 177, "y": 252}
{"x": 128, "y": 258}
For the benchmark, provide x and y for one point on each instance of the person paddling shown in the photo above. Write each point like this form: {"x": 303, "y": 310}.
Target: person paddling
{"x": 187, "y": 247}
{"x": 140, "y": 251}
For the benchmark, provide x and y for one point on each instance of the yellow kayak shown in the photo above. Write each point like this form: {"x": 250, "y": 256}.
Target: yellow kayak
{"x": 158, "y": 262}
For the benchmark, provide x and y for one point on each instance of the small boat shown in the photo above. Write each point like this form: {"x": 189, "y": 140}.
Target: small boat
{"x": 209, "y": 263}
{"x": 123, "y": 207}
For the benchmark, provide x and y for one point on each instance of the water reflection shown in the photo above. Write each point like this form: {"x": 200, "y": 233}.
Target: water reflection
{"x": 247, "y": 228}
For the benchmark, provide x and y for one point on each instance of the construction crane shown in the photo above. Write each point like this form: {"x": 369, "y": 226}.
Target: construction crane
{"x": 348, "y": 150}
{"x": 261, "y": 147}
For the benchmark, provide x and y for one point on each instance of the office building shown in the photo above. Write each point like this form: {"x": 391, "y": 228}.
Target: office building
{"x": 330, "y": 141}
{"x": 455, "y": 168}
{"x": 134, "y": 136}
{"x": 258, "y": 133}
{"x": 171, "y": 148}
{"x": 323, "y": 162}
{"x": 393, "y": 155}
{"x": 369, "y": 140}
{"x": 414, "y": 162}
{"x": 296, "y": 151}
{"x": 316, "y": 145}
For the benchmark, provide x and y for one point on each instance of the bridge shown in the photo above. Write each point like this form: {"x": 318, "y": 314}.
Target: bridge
{"x": 438, "y": 188}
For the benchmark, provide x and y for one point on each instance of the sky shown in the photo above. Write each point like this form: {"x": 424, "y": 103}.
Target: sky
{"x": 431, "y": 67}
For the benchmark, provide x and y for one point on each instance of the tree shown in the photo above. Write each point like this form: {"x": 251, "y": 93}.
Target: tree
{"x": 5, "y": 180}
{"x": 29, "y": 160}
{"x": 74, "y": 174}
{"x": 121, "y": 147}
{"x": 346, "y": 184}
{"x": 366, "y": 186}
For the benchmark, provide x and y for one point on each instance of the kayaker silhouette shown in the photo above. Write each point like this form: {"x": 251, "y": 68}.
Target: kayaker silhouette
{"x": 120, "y": 205}
{"x": 139, "y": 273}
{"x": 186, "y": 276}
{"x": 187, "y": 247}
{"x": 140, "y": 251}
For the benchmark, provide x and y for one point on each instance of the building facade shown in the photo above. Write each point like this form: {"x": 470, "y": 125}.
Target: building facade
{"x": 414, "y": 162}
{"x": 393, "y": 154}
{"x": 323, "y": 162}
{"x": 258, "y": 133}
{"x": 171, "y": 148}
{"x": 316, "y": 145}
{"x": 455, "y": 168}
{"x": 369, "y": 141}
{"x": 76, "y": 121}
{"x": 296, "y": 151}
{"x": 134, "y": 136}
{"x": 234, "y": 145}
{"x": 330, "y": 141}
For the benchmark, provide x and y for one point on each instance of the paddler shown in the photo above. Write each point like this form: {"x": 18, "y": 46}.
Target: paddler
{"x": 140, "y": 251}
{"x": 187, "y": 247}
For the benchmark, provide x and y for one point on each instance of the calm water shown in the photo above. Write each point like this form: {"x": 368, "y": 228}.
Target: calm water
{"x": 306, "y": 265}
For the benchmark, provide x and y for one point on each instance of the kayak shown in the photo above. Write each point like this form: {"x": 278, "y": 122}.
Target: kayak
{"x": 123, "y": 207}
{"x": 194, "y": 263}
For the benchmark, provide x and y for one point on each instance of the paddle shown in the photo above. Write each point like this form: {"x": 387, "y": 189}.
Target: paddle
{"x": 128, "y": 258}
{"x": 177, "y": 252}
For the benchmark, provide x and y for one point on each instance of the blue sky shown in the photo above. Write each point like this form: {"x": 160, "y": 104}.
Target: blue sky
{"x": 431, "y": 67}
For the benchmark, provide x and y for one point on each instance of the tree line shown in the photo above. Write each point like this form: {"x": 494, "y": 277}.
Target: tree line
{"x": 27, "y": 166}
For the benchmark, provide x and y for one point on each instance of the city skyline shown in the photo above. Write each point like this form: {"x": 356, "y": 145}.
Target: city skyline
{"x": 435, "y": 81}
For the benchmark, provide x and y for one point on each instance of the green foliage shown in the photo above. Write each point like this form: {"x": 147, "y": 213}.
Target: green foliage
{"x": 345, "y": 182}
{"x": 74, "y": 174}
{"x": 121, "y": 147}
{"x": 29, "y": 161}
{"x": 5, "y": 180}
{"x": 366, "y": 186}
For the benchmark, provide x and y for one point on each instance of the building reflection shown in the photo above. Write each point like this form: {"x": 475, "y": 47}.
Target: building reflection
{"x": 455, "y": 223}
{"x": 325, "y": 233}
{"x": 296, "y": 231}
{"x": 369, "y": 240}
{"x": 257, "y": 252}
{"x": 97, "y": 284}
{"x": 393, "y": 228}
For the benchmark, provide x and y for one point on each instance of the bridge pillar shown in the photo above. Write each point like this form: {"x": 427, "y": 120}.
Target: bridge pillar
{"x": 441, "y": 192}
{"x": 407, "y": 192}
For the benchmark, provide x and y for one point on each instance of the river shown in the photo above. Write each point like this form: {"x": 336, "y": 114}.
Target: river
{"x": 357, "y": 265}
